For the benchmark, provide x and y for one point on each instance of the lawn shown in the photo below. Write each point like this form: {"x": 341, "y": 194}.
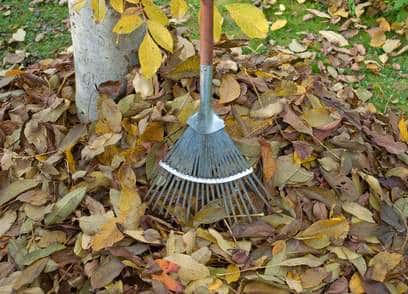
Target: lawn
{"x": 50, "y": 19}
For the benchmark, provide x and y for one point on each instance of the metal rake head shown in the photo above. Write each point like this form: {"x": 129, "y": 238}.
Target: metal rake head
{"x": 202, "y": 168}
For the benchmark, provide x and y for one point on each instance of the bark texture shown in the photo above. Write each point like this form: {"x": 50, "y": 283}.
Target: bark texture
{"x": 99, "y": 55}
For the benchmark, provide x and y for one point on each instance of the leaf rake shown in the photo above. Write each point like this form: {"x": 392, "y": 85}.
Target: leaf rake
{"x": 204, "y": 165}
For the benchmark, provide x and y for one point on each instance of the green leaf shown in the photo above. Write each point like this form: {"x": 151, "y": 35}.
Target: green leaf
{"x": 41, "y": 253}
{"x": 65, "y": 206}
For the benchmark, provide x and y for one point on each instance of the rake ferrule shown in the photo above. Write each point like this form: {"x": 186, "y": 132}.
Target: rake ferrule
{"x": 205, "y": 121}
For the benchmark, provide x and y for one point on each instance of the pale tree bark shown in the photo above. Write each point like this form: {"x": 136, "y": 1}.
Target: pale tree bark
{"x": 98, "y": 57}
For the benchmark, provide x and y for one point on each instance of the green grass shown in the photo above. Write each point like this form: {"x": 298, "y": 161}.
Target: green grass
{"x": 389, "y": 89}
{"x": 44, "y": 17}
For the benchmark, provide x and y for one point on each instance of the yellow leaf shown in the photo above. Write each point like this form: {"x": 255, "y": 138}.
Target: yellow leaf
{"x": 131, "y": 208}
{"x": 294, "y": 282}
{"x": 78, "y": 5}
{"x": 277, "y": 25}
{"x": 383, "y": 263}
{"x": 232, "y": 274}
{"x": 178, "y": 8}
{"x": 70, "y": 160}
{"x": 214, "y": 286}
{"x": 356, "y": 284}
{"x": 297, "y": 159}
{"x": 229, "y": 89}
{"x": 155, "y": 13}
{"x": 319, "y": 234}
{"x": 133, "y": 1}
{"x": 161, "y": 35}
{"x": 250, "y": 19}
{"x": 403, "y": 129}
{"x": 149, "y": 56}
{"x": 118, "y": 5}
{"x": 128, "y": 22}
{"x": 317, "y": 117}
{"x": 154, "y": 132}
{"x": 108, "y": 235}
{"x": 186, "y": 69}
{"x": 99, "y": 10}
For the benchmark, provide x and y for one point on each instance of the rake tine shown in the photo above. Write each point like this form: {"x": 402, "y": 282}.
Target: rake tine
{"x": 172, "y": 198}
{"x": 162, "y": 190}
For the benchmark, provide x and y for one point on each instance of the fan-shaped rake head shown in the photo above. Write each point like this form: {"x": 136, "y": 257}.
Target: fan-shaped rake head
{"x": 202, "y": 168}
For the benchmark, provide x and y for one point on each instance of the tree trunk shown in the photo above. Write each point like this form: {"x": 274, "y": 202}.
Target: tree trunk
{"x": 98, "y": 57}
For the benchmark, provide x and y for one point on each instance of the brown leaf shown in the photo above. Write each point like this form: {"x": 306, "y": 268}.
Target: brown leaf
{"x": 378, "y": 37}
{"x": 106, "y": 272}
{"x": 269, "y": 163}
{"x": 229, "y": 89}
{"x": 253, "y": 230}
{"x": 387, "y": 141}
{"x": 295, "y": 122}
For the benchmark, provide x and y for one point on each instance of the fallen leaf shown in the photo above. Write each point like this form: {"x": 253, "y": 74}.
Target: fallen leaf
{"x": 309, "y": 260}
{"x": 35, "y": 255}
{"x": 209, "y": 214}
{"x": 232, "y": 273}
{"x": 317, "y": 117}
{"x": 334, "y": 38}
{"x": 267, "y": 106}
{"x": 313, "y": 277}
{"x": 229, "y": 89}
{"x": 106, "y": 272}
{"x": 403, "y": 130}
{"x": 6, "y": 221}
{"x": 290, "y": 173}
{"x": 143, "y": 86}
{"x": 19, "y": 35}
{"x": 278, "y": 24}
{"x": 30, "y": 273}
{"x": 383, "y": 263}
{"x": 356, "y": 284}
{"x": 358, "y": 211}
{"x": 378, "y": 37}
{"x": 387, "y": 141}
{"x": 65, "y": 206}
{"x": 268, "y": 162}
{"x": 108, "y": 235}
{"x": 295, "y": 122}
{"x": 320, "y": 233}
{"x": 16, "y": 188}
{"x": 390, "y": 45}
{"x": 318, "y": 13}
{"x": 296, "y": 47}
{"x": 190, "y": 269}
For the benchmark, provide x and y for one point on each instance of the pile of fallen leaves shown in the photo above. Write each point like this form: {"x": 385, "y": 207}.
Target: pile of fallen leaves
{"x": 72, "y": 216}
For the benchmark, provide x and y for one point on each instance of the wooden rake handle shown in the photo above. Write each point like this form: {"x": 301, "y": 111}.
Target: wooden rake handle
{"x": 206, "y": 32}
